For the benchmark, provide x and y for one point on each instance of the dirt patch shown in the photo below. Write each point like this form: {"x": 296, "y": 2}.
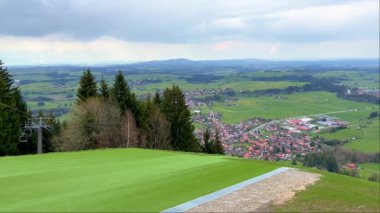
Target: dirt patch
{"x": 274, "y": 190}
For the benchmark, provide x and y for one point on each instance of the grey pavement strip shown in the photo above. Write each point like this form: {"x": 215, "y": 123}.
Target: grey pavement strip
{"x": 198, "y": 201}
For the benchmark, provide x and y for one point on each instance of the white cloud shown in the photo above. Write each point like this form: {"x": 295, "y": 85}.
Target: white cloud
{"x": 330, "y": 16}
{"x": 55, "y": 50}
{"x": 235, "y": 23}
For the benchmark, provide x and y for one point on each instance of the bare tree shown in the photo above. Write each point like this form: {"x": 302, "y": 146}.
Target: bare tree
{"x": 129, "y": 130}
{"x": 95, "y": 124}
{"x": 158, "y": 130}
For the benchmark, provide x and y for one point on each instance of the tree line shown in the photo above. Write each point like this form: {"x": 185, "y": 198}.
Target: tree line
{"x": 111, "y": 116}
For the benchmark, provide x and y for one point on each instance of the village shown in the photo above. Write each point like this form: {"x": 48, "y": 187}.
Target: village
{"x": 272, "y": 140}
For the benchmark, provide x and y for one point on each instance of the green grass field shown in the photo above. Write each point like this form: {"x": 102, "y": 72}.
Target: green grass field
{"x": 365, "y": 132}
{"x": 116, "y": 180}
{"x": 355, "y": 79}
{"x": 136, "y": 180}
{"x": 335, "y": 193}
{"x": 291, "y": 105}
{"x": 366, "y": 170}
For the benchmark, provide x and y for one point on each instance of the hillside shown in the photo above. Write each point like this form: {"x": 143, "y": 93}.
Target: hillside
{"x": 147, "y": 180}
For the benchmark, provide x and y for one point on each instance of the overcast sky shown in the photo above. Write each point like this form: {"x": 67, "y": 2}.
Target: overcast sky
{"x": 116, "y": 31}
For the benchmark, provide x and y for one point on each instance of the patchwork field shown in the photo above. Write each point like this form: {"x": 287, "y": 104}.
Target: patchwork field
{"x": 288, "y": 106}
{"x": 138, "y": 180}
{"x": 355, "y": 79}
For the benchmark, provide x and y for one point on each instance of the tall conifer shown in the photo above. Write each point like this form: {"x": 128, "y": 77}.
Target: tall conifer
{"x": 13, "y": 113}
{"x": 87, "y": 87}
{"x": 178, "y": 114}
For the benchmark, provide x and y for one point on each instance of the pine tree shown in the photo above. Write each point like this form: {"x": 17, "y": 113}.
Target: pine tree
{"x": 208, "y": 143}
{"x": 217, "y": 144}
{"x": 121, "y": 92}
{"x": 157, "y": 99}
{"x": 13, "y": 113}
{"x": 125, "y": 98}
{"x": 104, "y": 91}
{"x": 87, "y": 87}
{"x": 179, "y": 116}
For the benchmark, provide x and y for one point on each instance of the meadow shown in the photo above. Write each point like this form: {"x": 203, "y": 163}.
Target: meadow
{"x": 363, "y": 134}
{"x": 335, "y": 193}
{"x": 355, "y": 79}
{"x": 136, "y": 180}
{"x": 297, "y": 104}
{"x": 366, "y": 170}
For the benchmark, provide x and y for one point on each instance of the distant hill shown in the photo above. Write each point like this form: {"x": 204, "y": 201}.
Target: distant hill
{"x": 203, "y": 66}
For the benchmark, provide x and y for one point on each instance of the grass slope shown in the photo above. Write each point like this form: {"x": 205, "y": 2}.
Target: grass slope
{"x": 135, "y": 180}
{"x": 335, "y": 193}
{"x": 116, "y": 180}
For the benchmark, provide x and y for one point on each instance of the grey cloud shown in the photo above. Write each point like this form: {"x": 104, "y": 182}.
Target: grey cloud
{"x": 168, "y": 21}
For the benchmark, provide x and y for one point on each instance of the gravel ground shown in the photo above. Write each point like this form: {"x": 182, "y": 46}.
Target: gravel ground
{"x": 255, "y": 197}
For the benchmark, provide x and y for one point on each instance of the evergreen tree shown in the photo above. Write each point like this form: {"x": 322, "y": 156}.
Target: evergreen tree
{"x": 179, "y": 116}
{"x": 218, "y": 147}
{"x": 104, "y": 91}
{"x": 13, "y": 113}
{"x": 157, "y": 99}
{"x": 121, "y": 92}
{"x": 208, "y": 143}
{"x": 125, "y": 98}
{"x": 87, "y": 86}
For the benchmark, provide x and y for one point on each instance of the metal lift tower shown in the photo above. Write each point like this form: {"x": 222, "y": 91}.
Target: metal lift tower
{"x": 34, "y": 124}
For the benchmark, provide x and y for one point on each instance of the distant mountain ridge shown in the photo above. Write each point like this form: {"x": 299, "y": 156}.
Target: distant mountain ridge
{"x": 183, "y": 64}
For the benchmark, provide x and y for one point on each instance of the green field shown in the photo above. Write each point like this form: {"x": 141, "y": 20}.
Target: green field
{"x": 363, "y": 133}
{"x": 288, "y": 106}
{"x": 136, "y": 180}
{"x": 116, "y": 180}
{"x": 367, "y": 169}
{"x": 335, "y": 193}
{"x": 237, "y": 85}
{"x": 355, "y": 79}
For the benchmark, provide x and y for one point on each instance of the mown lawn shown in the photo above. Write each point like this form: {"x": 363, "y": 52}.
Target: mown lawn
{"x": 116, "y": 180}
{"x": 136, "y": 180}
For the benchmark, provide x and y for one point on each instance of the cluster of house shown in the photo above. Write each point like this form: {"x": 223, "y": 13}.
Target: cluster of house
{"x": 258, "y": 138}
{"x": 272, "y": 142}
{"x": 315, "y": 123}
{"x": 364, "y": 91}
